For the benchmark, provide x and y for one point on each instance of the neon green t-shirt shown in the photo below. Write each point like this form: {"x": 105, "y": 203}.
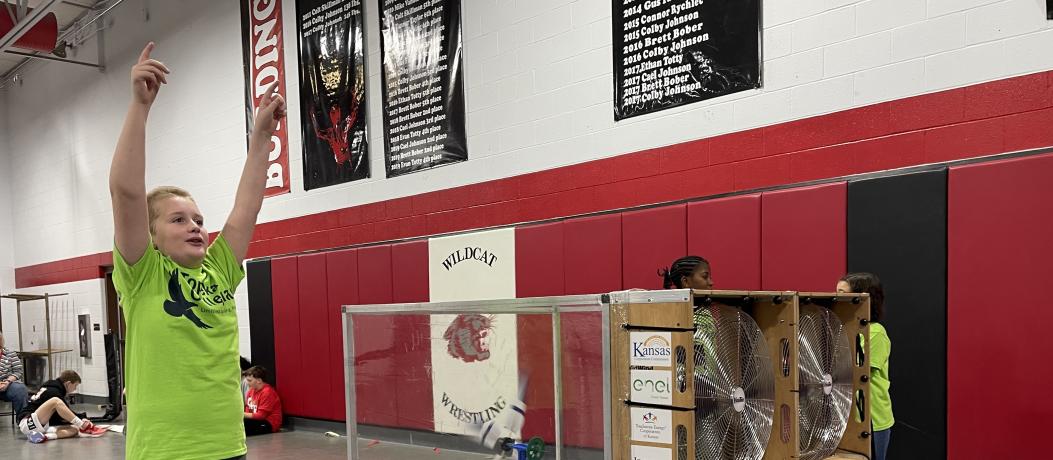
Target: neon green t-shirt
{"x": 184, "y": 394}
{"x": 880, "y": 400}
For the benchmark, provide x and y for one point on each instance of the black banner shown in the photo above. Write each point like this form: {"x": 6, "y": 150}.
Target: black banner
{"x": 423, "y": 84}
{"x": 669, "y": 53}
{"x": 332, "y": 91}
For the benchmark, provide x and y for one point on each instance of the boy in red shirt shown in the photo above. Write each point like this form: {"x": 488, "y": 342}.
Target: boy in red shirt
{"x": 263, "y": 408}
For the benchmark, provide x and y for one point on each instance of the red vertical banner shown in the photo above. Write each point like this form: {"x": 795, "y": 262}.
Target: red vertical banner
{"x": 263, "y": 55}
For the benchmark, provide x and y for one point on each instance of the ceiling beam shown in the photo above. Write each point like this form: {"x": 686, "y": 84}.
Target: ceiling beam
{"x": 27, "y": 23}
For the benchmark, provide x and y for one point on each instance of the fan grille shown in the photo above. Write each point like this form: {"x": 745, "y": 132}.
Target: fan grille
{"x": 825, "y": 372}
{"x": 734, "y": 385}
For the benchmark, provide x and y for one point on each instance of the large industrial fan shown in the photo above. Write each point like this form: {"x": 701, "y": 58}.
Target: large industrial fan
{"x": 825, "y": 381}
{"x": 734, "y": 385}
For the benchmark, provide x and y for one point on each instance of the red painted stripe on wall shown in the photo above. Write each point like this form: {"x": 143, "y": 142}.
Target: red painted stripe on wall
{"x": 988, "y": 118}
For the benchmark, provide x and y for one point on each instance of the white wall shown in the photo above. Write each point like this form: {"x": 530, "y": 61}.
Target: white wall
{"x": 85, "y": 297}
{"x": 7, "y": 260}
{"x": 539, "y": 90}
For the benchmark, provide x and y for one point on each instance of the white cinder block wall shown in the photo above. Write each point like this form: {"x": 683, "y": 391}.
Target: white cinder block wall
{"x": 7, "y": 259}
{"x": 538, "y": 87}
{"x": 85, "y": 297}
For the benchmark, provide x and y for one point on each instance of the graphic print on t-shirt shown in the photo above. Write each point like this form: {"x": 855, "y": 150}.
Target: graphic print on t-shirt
{"x": 179, "y": 305}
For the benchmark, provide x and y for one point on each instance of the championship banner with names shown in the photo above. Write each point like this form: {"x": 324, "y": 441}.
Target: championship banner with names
{"x": 263, "y": 55}
{"x": 423, "y": 84}
{"x": 332, "y": 91}
{"x": 668, "y": 53}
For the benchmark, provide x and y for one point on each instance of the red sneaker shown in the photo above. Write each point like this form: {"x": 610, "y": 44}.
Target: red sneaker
{"x": 91, "y": 432}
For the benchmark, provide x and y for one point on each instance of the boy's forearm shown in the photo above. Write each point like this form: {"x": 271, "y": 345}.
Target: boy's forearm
{"x": 128, "y": 169}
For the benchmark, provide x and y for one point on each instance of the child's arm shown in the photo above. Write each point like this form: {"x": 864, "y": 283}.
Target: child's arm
{"x": 249, "y": 198}
{"x": 131, "y": 231}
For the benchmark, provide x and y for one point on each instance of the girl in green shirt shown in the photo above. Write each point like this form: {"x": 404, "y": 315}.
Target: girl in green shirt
{"x": 177, "y": 288}
{"x": 880, "y": 348}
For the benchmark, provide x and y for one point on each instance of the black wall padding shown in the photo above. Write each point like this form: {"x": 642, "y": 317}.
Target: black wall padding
{"x": 261, "y": 315}
{"x": 897, "y": 229}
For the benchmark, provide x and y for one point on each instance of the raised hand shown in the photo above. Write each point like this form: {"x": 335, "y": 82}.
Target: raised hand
{"x": 147, "y": 77}
{"x": 270, "y": 113}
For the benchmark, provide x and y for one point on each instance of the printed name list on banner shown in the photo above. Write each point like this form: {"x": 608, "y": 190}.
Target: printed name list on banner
{"x": 423, "y": 85}
{"x": 332, "y": 92}
{"x": 669, "y": 53}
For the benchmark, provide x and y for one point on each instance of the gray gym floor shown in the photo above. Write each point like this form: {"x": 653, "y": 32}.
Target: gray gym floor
{"x": 305, "y": 442}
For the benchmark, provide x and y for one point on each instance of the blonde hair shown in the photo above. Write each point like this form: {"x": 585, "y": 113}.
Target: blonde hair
{"x": 161, "y": 193}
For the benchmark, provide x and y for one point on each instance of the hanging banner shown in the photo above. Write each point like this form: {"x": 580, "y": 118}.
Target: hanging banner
{"x": 671, "y": 53}
{"x": 474, "y": 357}
{"x": 263, "y": 54}
{"x": 332, "y": 92}
{"x": 423, "y": 84}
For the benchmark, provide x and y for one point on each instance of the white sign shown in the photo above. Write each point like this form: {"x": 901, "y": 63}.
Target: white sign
{"x": 474, "y": 367}
{"x": 651, "y": 425}
{"x": 651, "y": 387}
{"x": 651, "y": 453}
{"x": 472, "y": 266}
{"x": 648, "y": 348}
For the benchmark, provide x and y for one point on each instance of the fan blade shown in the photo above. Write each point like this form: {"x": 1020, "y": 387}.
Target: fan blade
{"x": 824, "y": 370}
{"x": 734, "y": 385}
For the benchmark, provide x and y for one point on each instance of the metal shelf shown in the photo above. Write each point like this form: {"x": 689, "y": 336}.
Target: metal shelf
{"x": 43, "y": 352}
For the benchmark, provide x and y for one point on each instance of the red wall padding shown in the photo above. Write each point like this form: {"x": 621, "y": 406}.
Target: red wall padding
{"x": 999, "y": 222}
{"x": 593, "y": 254}
{"x": 410, "y": 262}
{"x": 412, "y": 336}
{"x": 727, "y": 233}
{"x": 342, "y": 286}
{"x": 652, "y": 239}
{"x": 315, "y": 365}
{"x": 375, "y": 351}
{"x": 803, "y": 238}
{"x": 539, "y": 272}
{"x": 539, "y": 260}
{"x": 374, "y": 275}
{"x": 592, "y": 264}
{"x": 284, "y": 291}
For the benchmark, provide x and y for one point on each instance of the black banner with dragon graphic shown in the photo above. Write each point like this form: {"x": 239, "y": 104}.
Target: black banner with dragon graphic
{"x": 332, "y": 91}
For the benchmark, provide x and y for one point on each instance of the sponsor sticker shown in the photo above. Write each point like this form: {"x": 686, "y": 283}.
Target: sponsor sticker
{"x": 651, "y": 425}
{"x": 651, "y": 387}
{"x": 650, "y": 349}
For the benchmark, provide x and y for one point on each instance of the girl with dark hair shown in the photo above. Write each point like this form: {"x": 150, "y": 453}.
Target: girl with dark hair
{"x": 693, "y": 272}
{"x": 880, "y": 348}
{"x": 689, "y": 272}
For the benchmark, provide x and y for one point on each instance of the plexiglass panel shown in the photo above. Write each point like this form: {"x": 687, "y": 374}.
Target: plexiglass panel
{"x": 464, "y": 379}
